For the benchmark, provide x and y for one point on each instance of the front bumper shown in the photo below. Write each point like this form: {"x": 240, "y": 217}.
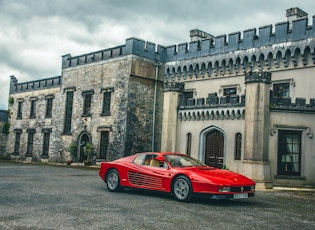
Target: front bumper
{"x": 219, "y": 196}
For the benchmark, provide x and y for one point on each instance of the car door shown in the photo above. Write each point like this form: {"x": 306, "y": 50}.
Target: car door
{"x": 149, "y": 176}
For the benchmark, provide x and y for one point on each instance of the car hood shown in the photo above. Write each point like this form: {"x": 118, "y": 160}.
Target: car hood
{"x": 219, "y": 176}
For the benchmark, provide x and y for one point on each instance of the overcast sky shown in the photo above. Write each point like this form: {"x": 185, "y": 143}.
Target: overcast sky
{"x": 34, "y": 34}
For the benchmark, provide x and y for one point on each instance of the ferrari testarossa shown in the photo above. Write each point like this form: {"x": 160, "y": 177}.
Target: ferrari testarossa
{"x": 178, "y": 174}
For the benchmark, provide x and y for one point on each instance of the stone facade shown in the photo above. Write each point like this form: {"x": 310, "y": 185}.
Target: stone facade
{"x": 3, "y": 135}
{"x": 131, "y": 82}
{"x": 237, "y": 103}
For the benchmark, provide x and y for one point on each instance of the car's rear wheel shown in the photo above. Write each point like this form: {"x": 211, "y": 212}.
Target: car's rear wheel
{"x": 182, "y": 189}
{"x": 112, "y": 180}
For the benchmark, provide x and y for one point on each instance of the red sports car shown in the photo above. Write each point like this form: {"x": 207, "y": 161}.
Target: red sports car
{"x": 178, "y": 174}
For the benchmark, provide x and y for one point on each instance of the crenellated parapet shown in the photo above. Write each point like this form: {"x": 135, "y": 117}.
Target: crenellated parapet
{"x": 300, "y": 105}
{"x": 46, "y": 83}
{"x": 237, "y": 41}
{"x": 267, "y": 58}
{"x": 283, "y": 47}
{"x": 133, "y": 46}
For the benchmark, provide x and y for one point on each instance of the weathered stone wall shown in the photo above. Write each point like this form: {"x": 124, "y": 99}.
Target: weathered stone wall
{"x": 131, "y": 81}
{"x": 109, "y": 74}
{"x": 38, "y": 123}
{"x": 141, "y": 96}
{"x": 3, "y": 142}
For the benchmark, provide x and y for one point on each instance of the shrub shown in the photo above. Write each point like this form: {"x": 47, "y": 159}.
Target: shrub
{"x": 11, "y": 100}
{"x": 6, "y": 128}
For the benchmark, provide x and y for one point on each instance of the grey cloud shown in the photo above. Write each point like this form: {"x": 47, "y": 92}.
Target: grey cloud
{"x": 35, "y": 33}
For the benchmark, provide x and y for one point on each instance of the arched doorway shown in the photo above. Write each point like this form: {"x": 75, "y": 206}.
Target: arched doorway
{"x": 214, "y": 148}
{"x": 83, "y": 139}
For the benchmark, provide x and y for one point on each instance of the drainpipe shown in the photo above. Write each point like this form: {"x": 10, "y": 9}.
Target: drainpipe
{"x": 154, "y": 104}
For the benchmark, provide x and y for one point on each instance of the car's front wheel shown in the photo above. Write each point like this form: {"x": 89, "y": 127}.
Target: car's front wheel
{"x": 112, "y": 180}
{"x": 182, "y": 189}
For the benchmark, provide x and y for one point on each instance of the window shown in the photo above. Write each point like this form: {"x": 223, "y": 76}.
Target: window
{"x": 17, "y": 141}
{"x": 68, "y": 116}
{"x": 229, "y": 91}
{"x": 281, "y": 90}
{"x": 139, "y": 160}
{"x": 238, "y": 146}
{"x": 104, "y": 144}
{"x": 33, "y": 109}
{"x": 46, "y": 142}
{"x": 289, "y": 153}
{"x": 87, "y": 100}
{"x": 106, "y": 104}
{"x": 185, "y": 97}
{"x": 49, "y": 104}
{"x": 19, "y": 111}
{"x": 188, "y": 143}
{"x": 30, "y": 140}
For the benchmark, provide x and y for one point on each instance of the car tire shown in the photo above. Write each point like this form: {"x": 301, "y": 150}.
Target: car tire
{"x": 182, "y": 189}
{"x": 113, "y": 181}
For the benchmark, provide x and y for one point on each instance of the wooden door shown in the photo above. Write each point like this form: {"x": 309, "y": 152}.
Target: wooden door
{"x": 214, "y": 149}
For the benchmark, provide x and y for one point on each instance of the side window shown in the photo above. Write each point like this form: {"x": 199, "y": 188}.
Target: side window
{"x": 68, "y": 113}
{"x": 19, "y": 110}
{"x": 17, "y": 141}
{"x": 238, "y": 146}
{"x": 104, "y": 144}
{"x": 281, "y": 89}
{"x": 46, "y": 140}
{"x": 185, "y": 97}
{"x": 228, "y": 92}
{"x": 148, "y": 159}
{"x": 49, "y": 104}
{"x": 289, "y": 153}
{"x": 30, "y": 140}
{"x": 33, "y": 107}
{"x": 106, "y": 103}
{"x": 139, "y": 159}
{"x": 87, "y": 102}
{"x": 188, "y": 143}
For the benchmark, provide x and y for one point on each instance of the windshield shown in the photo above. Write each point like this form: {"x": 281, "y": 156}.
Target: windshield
{"x": 182, "y": 161}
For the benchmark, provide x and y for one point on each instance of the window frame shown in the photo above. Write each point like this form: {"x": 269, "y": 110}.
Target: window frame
{"x": 30, "y": 142}
{"x": 87, "y": 103}
{"x": 284, "y": 168}
{"x": 188, "y": 143}
{"x": 68, "y": 110}
{"x": 46, "y": 142}
{"x": 33, "y": 108}
{"x": 106, "y": 107}
{"x": 49, "y": 106}
{"x": 276, "y": 86}
{"x": 104, "y": 146}
{"x": 238, "y": 146}
{"x": 19, "y": 109}
{"x": 17, "y": 141}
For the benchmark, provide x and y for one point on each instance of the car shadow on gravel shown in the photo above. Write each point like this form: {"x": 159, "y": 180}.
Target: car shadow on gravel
{"x": 196, "y": 200}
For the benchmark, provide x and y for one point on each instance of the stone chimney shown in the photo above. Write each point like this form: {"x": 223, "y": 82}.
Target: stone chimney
{"x": 294, "y": 14}
{"x": 198, "y": 35}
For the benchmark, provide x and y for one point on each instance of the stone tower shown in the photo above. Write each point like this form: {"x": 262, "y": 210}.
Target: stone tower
{"x": 255, "y": 164}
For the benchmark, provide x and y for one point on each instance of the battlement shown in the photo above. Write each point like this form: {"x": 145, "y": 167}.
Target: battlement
{"x": 241, "y": 41}
{"x": 46, "y": 83}
{"x": 133, "y": 46}
{"x": 287, "y": 31}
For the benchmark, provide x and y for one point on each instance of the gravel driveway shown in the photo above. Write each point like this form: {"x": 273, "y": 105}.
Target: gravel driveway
{"x": 51, "y": 197}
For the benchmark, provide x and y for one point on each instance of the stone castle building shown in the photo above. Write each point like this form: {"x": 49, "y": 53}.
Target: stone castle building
{"x": 245, "y": 101}
{"x": 3, "y": 133}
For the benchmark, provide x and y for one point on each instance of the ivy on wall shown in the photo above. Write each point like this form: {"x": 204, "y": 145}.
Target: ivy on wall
{"x": 6, "y": 128}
